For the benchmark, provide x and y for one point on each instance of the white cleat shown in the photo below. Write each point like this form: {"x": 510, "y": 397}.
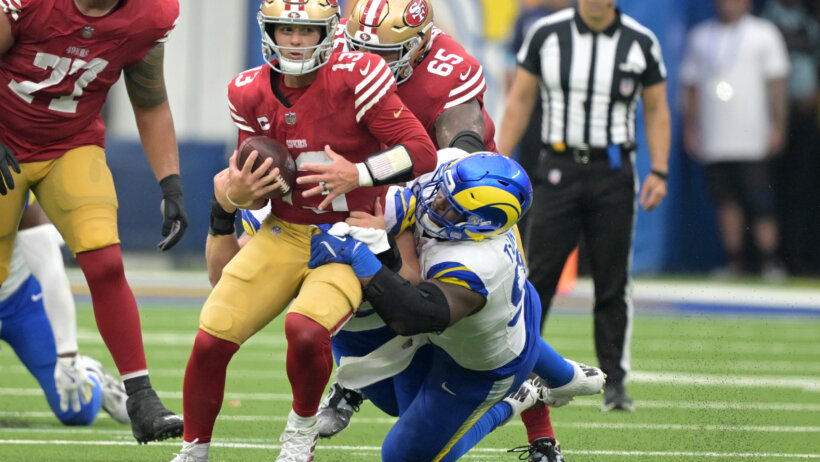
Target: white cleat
{"x": 299, "y": 439}
{"x": 528, "y": 395}
{"x": 588, "y": 380}
{"x": 113, "y": 391}
{"x": 193, "y": 452}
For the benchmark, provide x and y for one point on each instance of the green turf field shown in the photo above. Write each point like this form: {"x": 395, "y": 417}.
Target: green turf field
{"x": 706, "y": 388}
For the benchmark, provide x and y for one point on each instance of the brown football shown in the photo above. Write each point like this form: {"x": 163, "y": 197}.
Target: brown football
{"x": 269, "y": 147}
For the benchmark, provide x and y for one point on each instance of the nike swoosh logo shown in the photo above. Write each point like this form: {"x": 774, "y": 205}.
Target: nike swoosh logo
{"x": 36, "y": 297}
{"x": 444, "y": 387}
{"x": 398, "y": 113}
{"x": 366, "y": 70}
{"x": 463, "y": 77}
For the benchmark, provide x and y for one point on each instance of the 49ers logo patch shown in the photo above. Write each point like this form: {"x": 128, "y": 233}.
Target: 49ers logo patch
{"x": 416, "y": 13}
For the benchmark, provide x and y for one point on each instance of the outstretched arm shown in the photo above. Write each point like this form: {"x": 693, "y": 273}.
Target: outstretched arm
{"x": 520, "y": 103}
{"x": 658, "y": 134}
{"x": 145, "y": 83}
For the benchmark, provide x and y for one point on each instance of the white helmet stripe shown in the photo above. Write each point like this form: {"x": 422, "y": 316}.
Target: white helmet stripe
{"x": 373, "y": 11}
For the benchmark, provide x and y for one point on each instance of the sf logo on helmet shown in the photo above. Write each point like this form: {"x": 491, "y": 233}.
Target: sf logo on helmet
{"x": 416, "y": 13}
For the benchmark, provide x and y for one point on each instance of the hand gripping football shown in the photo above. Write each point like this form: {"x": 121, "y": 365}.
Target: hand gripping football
{"x": 270, "y": 148}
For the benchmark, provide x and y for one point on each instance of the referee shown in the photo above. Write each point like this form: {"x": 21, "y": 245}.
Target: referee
{"x": 592, "y": 64}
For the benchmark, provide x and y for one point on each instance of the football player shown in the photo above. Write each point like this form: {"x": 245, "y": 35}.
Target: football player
{"x": 39, "y": 324}
{"x": 474, "y": 307}
{"x": 58, "y": 59}
{"x": 334, "y": 112}
{"x": 444, "y": 87}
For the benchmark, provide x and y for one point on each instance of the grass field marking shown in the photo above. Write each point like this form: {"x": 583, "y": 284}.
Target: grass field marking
{"x": 392, "y": 420}
{"x": 585, "y": 402}
{"x": 810, "y": 384}
{"x": 322, "y": 448}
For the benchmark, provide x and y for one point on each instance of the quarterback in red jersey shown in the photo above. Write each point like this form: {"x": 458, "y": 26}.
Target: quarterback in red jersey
{"x": 58, "y": 59}
{"x": 336, "y": 112}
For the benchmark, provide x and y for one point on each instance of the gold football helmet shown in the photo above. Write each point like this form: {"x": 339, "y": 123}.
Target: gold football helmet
{"x": 392, "y": 26}
{"x": 321, "y": 13}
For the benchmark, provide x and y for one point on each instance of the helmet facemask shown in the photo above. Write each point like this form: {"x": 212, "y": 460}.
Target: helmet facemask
{"x": 481, "y": 204}
{"x": 402, "y": 27}
{"x": 410, "y": 51}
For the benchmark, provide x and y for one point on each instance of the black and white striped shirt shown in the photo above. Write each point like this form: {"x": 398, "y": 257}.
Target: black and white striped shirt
{"x": 590, "y": 82}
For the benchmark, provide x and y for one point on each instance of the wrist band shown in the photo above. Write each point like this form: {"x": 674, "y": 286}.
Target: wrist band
{"x": 241, "y": 206}
{"x": 221, "y": 221}
{"x": 657, "y": 173}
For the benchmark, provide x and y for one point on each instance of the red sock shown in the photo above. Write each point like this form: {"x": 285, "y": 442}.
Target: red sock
{"x": 537, "y": 421}
{"x": 115, "y": 308}
{"x": 309, "y": 362}
{"x": 204, "y": 385}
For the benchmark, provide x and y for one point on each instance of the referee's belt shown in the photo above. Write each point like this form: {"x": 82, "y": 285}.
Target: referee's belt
{"x": 586, "y": 155}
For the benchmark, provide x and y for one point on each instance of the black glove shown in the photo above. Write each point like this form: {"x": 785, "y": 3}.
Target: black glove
{"x": 174, "y": 219}
{"x": 8, "y": 162}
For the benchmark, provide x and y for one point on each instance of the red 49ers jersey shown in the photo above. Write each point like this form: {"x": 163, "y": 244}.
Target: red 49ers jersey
{"x": 55, "y": 78}
{"x": 352, "y": 106}
{"x": 446, "y": 77}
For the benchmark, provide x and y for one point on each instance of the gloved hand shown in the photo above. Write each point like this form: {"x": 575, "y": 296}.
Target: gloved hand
{"x": 327, "y": 248}
{"x": 174, "y": 218}
{"x": 73, "y": 384}
{"x": 8, "y": 162}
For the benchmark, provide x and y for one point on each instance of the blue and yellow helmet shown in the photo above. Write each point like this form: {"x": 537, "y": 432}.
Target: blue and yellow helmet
{"x": 489, "y": 192}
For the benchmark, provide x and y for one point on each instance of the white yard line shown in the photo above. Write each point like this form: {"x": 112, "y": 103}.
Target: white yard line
{"x": 477, "y": 451}
{"x": 586, "y": 425}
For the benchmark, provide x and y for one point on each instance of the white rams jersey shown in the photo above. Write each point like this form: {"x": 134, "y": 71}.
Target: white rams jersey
{"x": 493, "y": 267}
{"x": 18, "y": 273}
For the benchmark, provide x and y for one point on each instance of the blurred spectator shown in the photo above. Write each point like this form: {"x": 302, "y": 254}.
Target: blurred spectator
{"x": 530, "y": 144}
{"x": 734, "y": 75}
{"x": 796, "y": 170}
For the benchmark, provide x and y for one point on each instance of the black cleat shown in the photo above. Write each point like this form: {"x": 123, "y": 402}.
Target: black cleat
{"x": 150, "y": 421}
{"x": 541, "y": 450}
{"x": 336, "y": 410}
{"x": 615, "y": 398}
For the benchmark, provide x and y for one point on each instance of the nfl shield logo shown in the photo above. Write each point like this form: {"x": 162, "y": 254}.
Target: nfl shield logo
{"x": 290, "y": 118}
{"x": 627, "y": 86}
{"x": 88, "y": 31}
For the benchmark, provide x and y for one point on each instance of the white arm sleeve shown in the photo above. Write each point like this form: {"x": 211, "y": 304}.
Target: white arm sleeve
{"x": 41, "y": 251}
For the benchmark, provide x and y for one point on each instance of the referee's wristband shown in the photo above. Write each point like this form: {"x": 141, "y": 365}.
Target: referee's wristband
{"x": 660, "y": 174}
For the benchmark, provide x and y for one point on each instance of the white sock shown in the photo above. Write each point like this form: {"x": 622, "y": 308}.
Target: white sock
{"x": 300, "y": 421}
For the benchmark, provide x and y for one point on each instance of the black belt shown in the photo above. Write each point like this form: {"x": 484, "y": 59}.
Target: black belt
{"x": 586, "y": 155}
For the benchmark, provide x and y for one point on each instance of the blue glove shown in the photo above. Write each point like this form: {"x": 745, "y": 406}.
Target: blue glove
{"x": 326, "y": 248}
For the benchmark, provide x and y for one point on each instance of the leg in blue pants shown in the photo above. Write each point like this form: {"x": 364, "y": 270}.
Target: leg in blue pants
{"x": 27, "y": 330}
{"x": 549, "y": 365}
{"x": 392, "y": 395}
